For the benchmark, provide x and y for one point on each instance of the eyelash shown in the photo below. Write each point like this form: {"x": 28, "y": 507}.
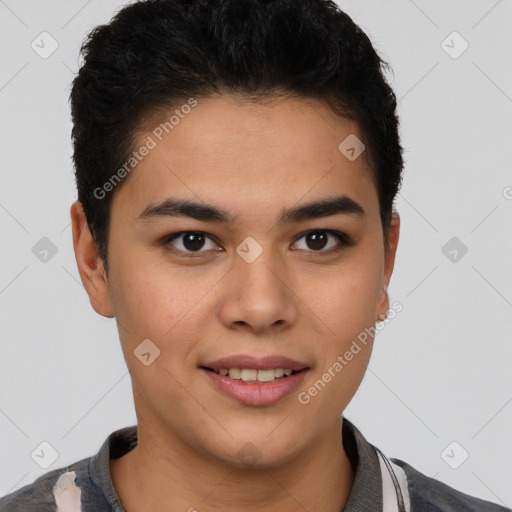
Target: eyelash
{"x": 345, "y": 240}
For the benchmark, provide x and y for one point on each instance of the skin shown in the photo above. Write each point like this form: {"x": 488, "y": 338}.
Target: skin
{"x": 253, "y": 160}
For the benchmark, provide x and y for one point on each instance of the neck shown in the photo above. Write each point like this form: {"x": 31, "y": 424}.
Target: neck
{"x": 168, "y": 477}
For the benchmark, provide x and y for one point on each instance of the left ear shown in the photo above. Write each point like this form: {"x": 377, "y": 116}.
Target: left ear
{"x": 389, "y": 263}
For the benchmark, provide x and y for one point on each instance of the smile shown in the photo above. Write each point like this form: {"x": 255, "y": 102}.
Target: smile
{"x": 253, "y": 375}
{"x": 247, "y": 388}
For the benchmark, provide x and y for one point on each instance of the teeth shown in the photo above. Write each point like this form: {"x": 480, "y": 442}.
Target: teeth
{"x": 265, "y": 375}
{"x": 235, "y": 373}
{"x": 248, "y": 375}
{"x": 251, "y": 375}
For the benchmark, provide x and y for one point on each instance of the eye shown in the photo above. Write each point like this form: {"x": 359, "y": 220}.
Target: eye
{"x": 318, "y": 241}
{"x": 191, "y": 243}
{"x": 187, "y": 243}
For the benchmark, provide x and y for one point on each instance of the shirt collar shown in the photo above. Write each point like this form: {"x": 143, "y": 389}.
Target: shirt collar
{"x": 366, "y": 493}
{"x": 116, "y": 445}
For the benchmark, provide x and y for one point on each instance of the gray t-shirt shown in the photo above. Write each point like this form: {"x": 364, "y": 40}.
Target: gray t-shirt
{"x": 380, "y": 484}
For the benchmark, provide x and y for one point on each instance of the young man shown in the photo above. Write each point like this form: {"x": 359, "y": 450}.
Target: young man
{"x": 237, "y": 163}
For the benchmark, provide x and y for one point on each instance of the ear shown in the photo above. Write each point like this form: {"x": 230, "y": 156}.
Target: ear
{"x": 90, "y": 265}
{"x": 389, "y": 263}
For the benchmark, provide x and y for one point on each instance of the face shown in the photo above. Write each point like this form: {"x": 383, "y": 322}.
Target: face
{"x": 252, "y": 271}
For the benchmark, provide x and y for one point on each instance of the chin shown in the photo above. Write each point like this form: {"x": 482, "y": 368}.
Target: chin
{"x": 254, "y": 450}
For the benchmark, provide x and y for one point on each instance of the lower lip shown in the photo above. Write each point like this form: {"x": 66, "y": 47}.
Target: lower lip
{"x": 266, "y": 393}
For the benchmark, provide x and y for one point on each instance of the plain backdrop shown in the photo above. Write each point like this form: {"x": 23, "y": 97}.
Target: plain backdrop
{"x": 439, "y": 384}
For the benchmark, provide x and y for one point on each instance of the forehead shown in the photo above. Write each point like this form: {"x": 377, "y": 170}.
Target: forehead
{"x": 231, "y": 150}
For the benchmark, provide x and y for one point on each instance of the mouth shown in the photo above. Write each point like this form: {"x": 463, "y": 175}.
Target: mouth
{"x": 255, "y": 381}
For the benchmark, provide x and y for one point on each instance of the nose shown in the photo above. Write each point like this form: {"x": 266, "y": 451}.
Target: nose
{"x": 257, "y": 295}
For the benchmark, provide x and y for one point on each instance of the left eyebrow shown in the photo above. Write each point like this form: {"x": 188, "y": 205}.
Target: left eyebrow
{"x": 342, "y": 205}
{"x": 174, "y": 207}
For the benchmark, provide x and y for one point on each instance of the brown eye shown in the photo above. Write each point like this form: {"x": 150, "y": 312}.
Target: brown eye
{"x": 317, "y": 240}
{"x": 193, "y": 241}
{"x": 323, "y": 241}
{"x": 189, "y": 242}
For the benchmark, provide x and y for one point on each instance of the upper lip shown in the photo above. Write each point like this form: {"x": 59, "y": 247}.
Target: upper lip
{"x": 256, "y": 363}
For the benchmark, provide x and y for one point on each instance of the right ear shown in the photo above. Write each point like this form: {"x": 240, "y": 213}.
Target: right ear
{"x": 90, "y": 265}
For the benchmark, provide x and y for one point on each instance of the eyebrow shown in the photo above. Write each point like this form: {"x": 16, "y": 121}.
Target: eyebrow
{"x": 175, "y": 207}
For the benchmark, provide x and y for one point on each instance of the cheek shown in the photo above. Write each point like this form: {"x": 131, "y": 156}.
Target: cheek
{"x": 347, "y": 311}
{"x": 170, "y": 306}
{"x": 346, "y": 299}
{"x": 350, "y": 319}
{"x": 150, "y": 302}
{"x": 346, "y": 304}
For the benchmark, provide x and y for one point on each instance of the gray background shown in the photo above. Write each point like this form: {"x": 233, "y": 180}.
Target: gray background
{"x": 440, "y": 371}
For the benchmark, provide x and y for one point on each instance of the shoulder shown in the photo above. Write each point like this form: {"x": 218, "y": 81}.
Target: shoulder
{"x": 39, "y": 496}
{"x": 429, "y": 495}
